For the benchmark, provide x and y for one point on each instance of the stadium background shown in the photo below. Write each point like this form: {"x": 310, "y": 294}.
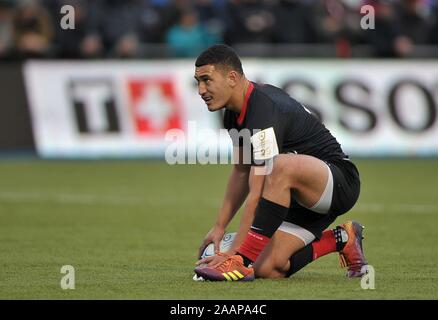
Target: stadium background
{"x": 84, "y": 114}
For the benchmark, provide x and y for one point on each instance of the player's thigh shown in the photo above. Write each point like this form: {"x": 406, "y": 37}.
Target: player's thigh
{"x": 305, "y": 174}
{"x": 273, "y": 262}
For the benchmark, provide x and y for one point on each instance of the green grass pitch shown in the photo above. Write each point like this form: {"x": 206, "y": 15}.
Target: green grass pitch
{"x": 131, "y": 230}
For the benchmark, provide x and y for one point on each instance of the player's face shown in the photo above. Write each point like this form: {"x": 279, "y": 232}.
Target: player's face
{"x": 213, "y": 86}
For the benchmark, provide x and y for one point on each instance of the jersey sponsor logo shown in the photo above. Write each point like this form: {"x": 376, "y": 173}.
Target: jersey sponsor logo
{"x": 264, "y": 144}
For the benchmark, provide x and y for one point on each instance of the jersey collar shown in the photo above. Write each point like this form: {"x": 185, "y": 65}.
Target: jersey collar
{"x": 245, "y": 104}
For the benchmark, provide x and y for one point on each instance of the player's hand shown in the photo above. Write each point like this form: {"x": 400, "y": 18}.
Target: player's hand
{"x": 214, "y": 235}
{"x": 205, "y": 261}
{"x": 212, "y": 261}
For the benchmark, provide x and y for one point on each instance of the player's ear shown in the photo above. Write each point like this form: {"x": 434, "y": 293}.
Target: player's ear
{"x": 232, "y": 78}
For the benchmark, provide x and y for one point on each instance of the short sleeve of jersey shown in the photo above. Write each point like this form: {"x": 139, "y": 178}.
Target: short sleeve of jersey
{"x": 267, "y": 125}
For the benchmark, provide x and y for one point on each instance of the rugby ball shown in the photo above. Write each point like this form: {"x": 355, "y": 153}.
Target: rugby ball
{"x": 225, "y": 245}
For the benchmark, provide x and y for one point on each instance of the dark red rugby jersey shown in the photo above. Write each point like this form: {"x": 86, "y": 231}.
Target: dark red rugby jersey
{"x": 296, "y": 129}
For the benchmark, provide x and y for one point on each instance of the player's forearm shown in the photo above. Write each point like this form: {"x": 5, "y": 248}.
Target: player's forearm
{"x": 245, "y": 222}
{"x": 235, "y": 194}
{"x": 256, "y": 183}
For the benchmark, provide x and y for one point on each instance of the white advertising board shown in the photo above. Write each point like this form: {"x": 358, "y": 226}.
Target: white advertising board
{"x": 124, "y": 109}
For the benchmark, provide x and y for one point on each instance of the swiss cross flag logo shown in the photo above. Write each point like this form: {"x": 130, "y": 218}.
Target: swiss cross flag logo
{"x": 155, "y": 106}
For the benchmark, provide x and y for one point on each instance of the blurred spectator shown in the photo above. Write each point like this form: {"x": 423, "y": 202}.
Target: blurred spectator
{"x": 433, "y": 30}
{"x": 6, "y": 16}
{"x": 294, "y": 22}
{"x": 387, "y": 38}
{"x": 32, "y": 29}
{"x": 249, "y": 21}
{"x": 412, "y": 16}
{"x": 337, "y": 22}
{"x": 188, "y": 38}
{"x": 329, "y": 19}
{"x": 156, "y": 17}
{"x": 84, "y": 40}
{"x": 133, "y": 28}
{"x": 212, "y": 15}
{"x": 120, "y": 22}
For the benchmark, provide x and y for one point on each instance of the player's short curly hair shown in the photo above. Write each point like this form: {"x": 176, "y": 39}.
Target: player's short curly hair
{"x": 220, "y": 54}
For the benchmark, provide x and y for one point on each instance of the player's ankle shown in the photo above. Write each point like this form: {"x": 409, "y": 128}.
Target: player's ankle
{"x": 246, "y": 261}
{"x": 341, "y": 237}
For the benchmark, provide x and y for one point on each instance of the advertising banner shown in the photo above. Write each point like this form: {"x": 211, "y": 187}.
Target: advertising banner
{"x": 127, "y": 109}
{"x": 112, "y": 109}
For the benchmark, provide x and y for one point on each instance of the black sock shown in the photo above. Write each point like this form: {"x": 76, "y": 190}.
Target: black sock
{"x": 246, "y": 261}
{"x": 300, "y": 259}
{"x": 304, "y": 256}
{"x": 268, "y": 217}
